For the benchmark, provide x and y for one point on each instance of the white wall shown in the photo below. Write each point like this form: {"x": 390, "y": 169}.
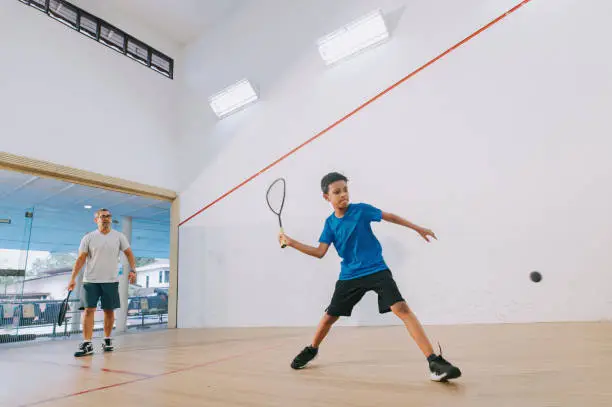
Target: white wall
{"x": 67, "y": 99}
{"x": 502, "y": 148}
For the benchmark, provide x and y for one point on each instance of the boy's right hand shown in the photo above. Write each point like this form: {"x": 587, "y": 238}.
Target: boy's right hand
{"x": 71, "y": 285}
{"x": 284, "y": 239}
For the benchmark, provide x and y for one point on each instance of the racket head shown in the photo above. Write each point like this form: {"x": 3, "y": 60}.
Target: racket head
{"x": 63, "y": 309}
{"x": 275, "y": 197}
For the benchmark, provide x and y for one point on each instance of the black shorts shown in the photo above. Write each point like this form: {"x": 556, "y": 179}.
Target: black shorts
{"x": 107, "y": 293}
{"x": 349, "y": 292}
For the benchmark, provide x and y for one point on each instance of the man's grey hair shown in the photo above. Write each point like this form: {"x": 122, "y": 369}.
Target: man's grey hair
{"x": 99, "y": 211}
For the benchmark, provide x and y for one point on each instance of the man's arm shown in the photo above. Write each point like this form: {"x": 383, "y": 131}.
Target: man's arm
{"x": 78, "y": 265}
{"x": 130, "y": 256}
{"x": 317, "y": 252}
{"x": 398, "y": 220}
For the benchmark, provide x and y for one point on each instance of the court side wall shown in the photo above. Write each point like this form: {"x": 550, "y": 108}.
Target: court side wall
{"x": 502, "y": 148}
{"x": 69, "y": 100}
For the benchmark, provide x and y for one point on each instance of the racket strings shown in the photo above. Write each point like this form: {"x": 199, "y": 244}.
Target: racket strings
{"x": 276, "y": 196}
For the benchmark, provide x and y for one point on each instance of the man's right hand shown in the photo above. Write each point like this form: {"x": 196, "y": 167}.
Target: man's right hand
{"x": 71, "y": 285}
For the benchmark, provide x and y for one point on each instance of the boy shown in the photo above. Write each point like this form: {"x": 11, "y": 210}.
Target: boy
{"x": 362, "y": 269}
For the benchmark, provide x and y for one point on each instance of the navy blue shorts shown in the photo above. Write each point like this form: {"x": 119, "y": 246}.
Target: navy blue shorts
{"x": 107, "y": 293}
{"x": 349, "y": 292}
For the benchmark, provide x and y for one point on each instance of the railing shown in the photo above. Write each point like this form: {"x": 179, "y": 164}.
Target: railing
{"x": 26, "y": 320}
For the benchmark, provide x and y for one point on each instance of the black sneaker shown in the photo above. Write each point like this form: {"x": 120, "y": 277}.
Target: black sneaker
{"x": 441, "y": 370}
{"x": 85, "y": 348}
{"x": 107, "y": 345}
{"x": 306, "y": 355}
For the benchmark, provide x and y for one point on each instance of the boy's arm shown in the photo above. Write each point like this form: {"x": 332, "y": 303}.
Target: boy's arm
{"x": 398, "y": 220}
{"x": 317, "y": 252}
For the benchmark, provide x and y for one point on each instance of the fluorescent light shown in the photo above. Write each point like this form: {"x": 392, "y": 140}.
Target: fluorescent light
{"x": 366, "y": 32}
{"x": 233, "y": 98}
{"x": 87, "y": 206}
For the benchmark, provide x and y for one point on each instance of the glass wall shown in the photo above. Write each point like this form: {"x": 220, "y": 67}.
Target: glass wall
{"x": 15, "y": 314}
{"x": 38, "y": 249}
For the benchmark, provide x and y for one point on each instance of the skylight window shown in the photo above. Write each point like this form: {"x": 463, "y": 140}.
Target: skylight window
{"x": 357, "y": 36}
{"x": 233, "y": 98}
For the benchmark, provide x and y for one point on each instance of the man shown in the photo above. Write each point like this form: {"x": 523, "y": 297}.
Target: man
{"x": 99, "y": 252}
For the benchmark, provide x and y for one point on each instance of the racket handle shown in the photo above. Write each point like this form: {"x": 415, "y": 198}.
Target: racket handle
{"x": 283, "y": 245}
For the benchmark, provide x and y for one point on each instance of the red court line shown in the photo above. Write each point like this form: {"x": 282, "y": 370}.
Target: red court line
{"x": 184, "y": 369}
{"x": 103, "y": 369}
{"x": 316, "y": 136}
{"x": 82, "y": 392}
{"x": 126, "y": 372}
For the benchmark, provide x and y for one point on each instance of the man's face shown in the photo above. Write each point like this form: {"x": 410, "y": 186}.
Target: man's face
{"x": 104, "y": 219}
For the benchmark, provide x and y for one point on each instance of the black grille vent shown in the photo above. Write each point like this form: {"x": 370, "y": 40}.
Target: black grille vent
{"x": 105, "y": 33}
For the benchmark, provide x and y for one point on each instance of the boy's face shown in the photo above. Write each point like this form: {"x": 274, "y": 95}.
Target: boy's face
{"x": 337, "y": 194}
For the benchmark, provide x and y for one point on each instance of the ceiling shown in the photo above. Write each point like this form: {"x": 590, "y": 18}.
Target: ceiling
{"x": 60, "y": 218}
{"x": 178, "y": 20}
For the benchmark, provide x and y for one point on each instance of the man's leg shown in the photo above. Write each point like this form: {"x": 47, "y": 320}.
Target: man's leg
{"x": 88, "y": 323}
{"x": 90, "y": 294}
{"x": 110, "y": 302}
{"x": 109, "y": 322}
{"x": 86, "y": 348}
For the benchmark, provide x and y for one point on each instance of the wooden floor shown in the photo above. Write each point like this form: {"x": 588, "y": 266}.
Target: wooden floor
{"x": 503, "y": 365}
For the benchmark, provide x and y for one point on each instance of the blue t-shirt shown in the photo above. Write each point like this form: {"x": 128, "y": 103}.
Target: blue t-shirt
{"x": 354, "y": 240}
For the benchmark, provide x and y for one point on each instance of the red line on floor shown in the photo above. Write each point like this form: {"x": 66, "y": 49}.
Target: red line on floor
{"x": 79, "y": 366}
{"x": 83, "y": 392}
{"x": 95, "y": 389}
{"x": 126, "y": 372}
{"x": 316, "y": 136}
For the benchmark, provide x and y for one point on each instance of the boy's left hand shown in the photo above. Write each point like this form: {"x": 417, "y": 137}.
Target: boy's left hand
{"x": 426, "y": 232}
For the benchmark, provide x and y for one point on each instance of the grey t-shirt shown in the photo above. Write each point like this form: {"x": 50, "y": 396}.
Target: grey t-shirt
{"x": 103, "y": 250}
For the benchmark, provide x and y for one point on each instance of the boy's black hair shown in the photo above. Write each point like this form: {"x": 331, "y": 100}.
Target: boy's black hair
{"x": 330, "y": 179}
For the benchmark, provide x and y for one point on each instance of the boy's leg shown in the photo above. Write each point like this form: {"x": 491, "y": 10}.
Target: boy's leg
{"x": 414, "y": 327}
{"x": 346, "y": 294}
{"x": 324, "y": 326}
{"x": 390, "y": 299}
{"x": 441, "y": 370}
{"x": 310, "y": 352}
